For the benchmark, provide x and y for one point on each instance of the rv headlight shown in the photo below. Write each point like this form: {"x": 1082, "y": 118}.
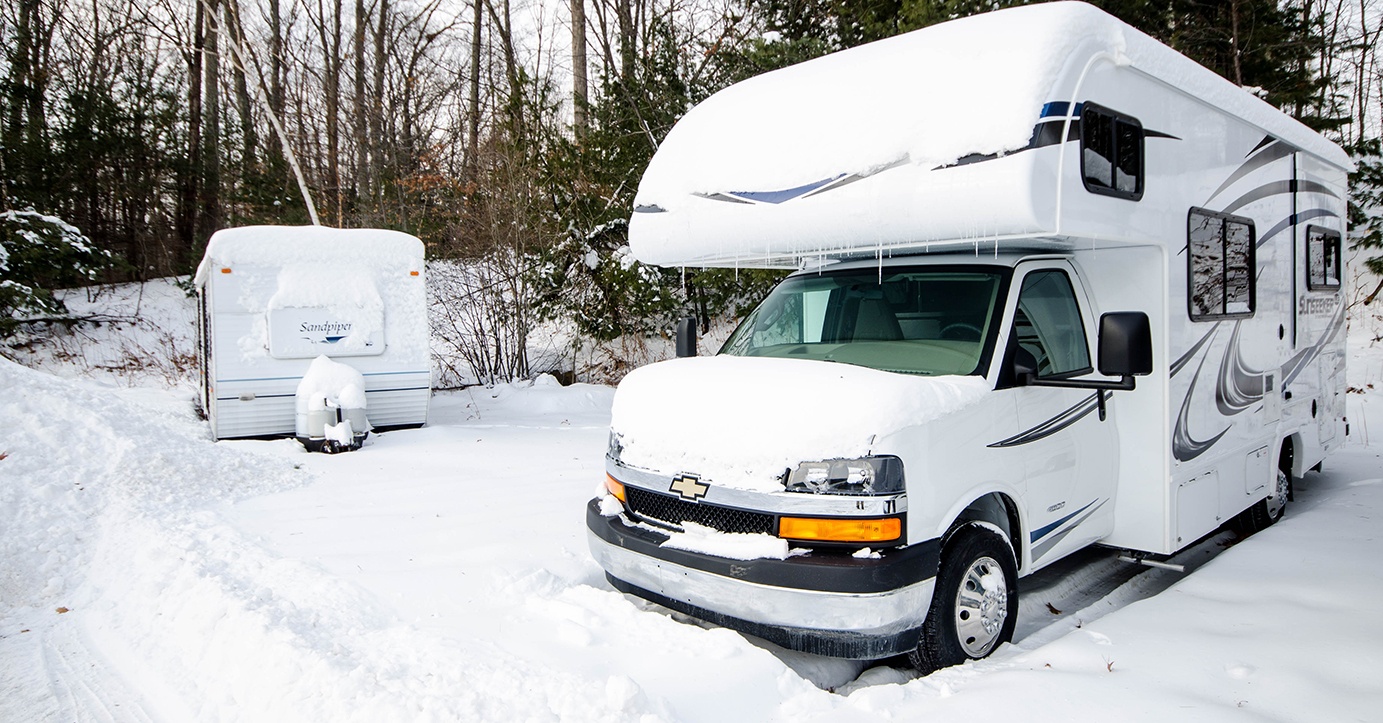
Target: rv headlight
{"x": 614, "y": 447}
{"x": 864, "y": 476}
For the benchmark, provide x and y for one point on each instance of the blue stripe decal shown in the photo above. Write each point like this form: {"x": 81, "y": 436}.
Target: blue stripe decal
{"x": 1047, "y": 530}
{"x": 786, "y": 194}
{"x": 1059, "y": 109}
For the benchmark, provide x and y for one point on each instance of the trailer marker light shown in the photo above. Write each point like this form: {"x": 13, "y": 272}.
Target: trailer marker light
{"x": 225, "y": 270}
{"x": 614, "y": 487}
{"x": 412, "y": 273}
{"x": 884, "y": 529}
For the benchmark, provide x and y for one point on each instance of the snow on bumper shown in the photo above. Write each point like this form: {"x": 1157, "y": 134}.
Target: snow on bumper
{"x": 826, "y": 604}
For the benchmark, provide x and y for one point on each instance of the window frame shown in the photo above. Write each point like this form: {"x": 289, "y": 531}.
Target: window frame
{"x": 1116, "y": 118}
{"x": 1080, "y": 318}
{"x": 1333, "y": 238}
{"x": 1226, "y": 219}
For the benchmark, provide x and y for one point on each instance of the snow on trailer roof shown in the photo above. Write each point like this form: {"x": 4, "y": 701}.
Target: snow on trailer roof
{"x": 923, "y": 100}
{"x": 282, "y": 245}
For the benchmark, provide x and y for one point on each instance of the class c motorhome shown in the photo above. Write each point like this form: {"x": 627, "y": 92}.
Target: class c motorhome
{"x": 274, "y": 298}
{"x": 1057, "y": 285}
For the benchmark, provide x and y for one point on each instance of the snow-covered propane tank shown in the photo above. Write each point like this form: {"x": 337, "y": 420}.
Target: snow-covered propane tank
{"x": 330, "y": 405}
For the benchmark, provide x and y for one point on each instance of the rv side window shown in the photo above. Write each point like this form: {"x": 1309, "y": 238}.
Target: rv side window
{"x": 1111, "y": 153}
{"x": 1322, "y": 258}
{"x": 1220, "y": 251}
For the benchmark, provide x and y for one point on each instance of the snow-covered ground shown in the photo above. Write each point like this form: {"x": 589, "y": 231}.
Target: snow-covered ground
{"x": 148, "y": 574}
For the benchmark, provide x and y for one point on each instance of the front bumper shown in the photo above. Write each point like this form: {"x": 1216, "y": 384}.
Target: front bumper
{"x": 826, "y": 602}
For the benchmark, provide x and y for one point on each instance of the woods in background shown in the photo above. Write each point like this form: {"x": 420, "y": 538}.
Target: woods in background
{"x": 509, "y": 134}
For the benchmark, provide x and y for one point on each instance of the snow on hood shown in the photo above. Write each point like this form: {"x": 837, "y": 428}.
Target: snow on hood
{"x": 740, "y": 422}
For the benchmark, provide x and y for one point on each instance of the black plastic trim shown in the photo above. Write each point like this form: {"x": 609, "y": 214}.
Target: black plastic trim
{"x": 832, "y": 643}
{"x": 822, "y": 570}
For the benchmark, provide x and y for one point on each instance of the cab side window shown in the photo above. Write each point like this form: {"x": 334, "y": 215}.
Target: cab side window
{"x": 1047, "y": 325}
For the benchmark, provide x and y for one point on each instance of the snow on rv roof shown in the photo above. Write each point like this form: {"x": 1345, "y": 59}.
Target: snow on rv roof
{"x": 928, "y": 97}
{"x": 281, "y": 245}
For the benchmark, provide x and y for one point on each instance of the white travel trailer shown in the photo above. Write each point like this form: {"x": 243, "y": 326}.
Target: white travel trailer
{"x": 275, "y": 298}
{"x": 1058, "y": 286}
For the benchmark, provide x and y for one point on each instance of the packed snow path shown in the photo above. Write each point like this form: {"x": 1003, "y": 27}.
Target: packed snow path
{"x": 442, "y": 574}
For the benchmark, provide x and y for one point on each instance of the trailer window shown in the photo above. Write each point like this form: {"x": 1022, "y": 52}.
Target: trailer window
{"x": 1111, "y": 153}
{"x": 913, "y": 320}
{"x": 1220, "y": 258}
{"x": 1322, "y": 258}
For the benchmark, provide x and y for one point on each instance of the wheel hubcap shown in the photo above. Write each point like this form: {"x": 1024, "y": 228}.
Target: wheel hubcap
{"x": 1278, "y": 499}
{"x": 981, "y": 606}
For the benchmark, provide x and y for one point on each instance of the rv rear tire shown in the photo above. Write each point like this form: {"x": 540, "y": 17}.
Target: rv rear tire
{"x": 1268, "y": 510}
{"x": 975, "y": 602}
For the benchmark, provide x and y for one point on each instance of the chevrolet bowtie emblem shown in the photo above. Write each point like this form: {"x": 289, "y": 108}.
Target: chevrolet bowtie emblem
{"x": 688, "y": 487}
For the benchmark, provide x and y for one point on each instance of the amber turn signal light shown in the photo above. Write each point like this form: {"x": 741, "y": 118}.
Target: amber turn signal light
{"x": 887, "y": 529}
{"x": 614, "y": 487}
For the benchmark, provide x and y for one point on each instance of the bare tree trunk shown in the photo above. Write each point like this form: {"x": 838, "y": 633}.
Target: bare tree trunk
{"x": 627, "y": 36}
{"x": 249, "y": 138}
{"x": 505, "y": 28}
{"x": 580, "y": 99}
{"x": 275, "y": 59}
{"x": 1234, "y": 41}
{"x": 189, "y": 192}
{"x": 472, "y": 160}
{"x": 377, "y": 116}
{"x": 359, "y": 123}
{"x": 211, "y": 139}
{"x": 1368, "y": 54}
{"x": 330, "y": 38}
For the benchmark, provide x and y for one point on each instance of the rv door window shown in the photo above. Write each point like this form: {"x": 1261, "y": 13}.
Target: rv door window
{"x": 1322, "y": 258}
{"x": 1220, "y": 261}
{"x": 1048, "y": 325}
{"x": 914, "y": 320}
{"x": 1111, "y": 152}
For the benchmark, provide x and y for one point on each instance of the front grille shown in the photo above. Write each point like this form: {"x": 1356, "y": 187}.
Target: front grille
{"x": 674, "y": 511}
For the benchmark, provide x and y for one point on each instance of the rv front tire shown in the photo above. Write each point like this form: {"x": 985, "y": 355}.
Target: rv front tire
{"x": 975, "y": 604}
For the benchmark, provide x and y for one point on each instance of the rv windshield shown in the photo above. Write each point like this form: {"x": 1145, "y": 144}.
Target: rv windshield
{"x": 915, "y": 320}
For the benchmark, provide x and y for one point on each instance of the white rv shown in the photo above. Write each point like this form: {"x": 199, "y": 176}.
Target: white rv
{"x": 275, "y": 298}
{"x": 1058, "y": 286}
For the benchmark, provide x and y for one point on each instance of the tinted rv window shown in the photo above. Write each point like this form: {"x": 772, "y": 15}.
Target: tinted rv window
{"x": 1322, "y": 258}
{"x": 1111, "y": 153}
{"x": 1220, "y": 252}
{"x": 1048, "y": 326}
{"x": 914, "y": 320}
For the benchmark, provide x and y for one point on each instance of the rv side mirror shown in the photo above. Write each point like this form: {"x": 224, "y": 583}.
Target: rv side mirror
{"x": 686, "y": 336}
{"x": 1125, "y": 344}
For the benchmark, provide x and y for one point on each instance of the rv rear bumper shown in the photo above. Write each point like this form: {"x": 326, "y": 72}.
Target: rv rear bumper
{"x": 826, "y": 603}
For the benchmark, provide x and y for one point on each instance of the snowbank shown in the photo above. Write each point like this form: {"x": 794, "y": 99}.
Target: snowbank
{"x": 112, "y": 530}
{"x": 681, "y": 415}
